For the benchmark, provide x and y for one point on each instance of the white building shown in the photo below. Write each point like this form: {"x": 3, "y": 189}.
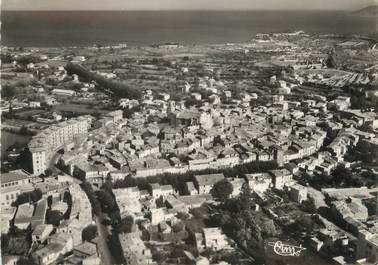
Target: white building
{"x": 23, "y": 217}
{"x": 41, "y": 233}
{"x": 214, "y": 239}
{"x": 281, "y": 178}
{"x": 51, "y": 139}
{"x": 63, "y": 92}
{"x": 12, "y": 184}
{"x": 204, "y": 183}
{"x": 259, "y": 182}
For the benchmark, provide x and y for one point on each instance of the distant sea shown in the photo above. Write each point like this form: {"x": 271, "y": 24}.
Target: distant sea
{"x": 84, "y": 28}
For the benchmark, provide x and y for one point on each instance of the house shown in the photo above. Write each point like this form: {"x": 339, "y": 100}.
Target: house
{"x": 204, "y": 183}
{"x": 298, "y": 193}
{"x": 157, "y": 190}
{"x": 93, "y": 173}
{"x": 134, "y": 250}
{"x": 48, "y": 254}
{"x": 367, "y": 247}
{"x": 237, "y": 184}
{"x": 74, "y": 228}
{"x": 292, "y": 167}
{"x": 185, "y": 117}
{"x": 92, "y": 260}
{"x": 164, "y": 96}
{"x": 39, "y": 215}
{"x": 197, "y": 96}
{"x": 85, "y": 250}
{"x": 349, "y": 208}
{"x": 63, "y": 92}
{"x": 50, "y": 101}
{"x": 10, "y": 259}
{"x": 315, "y": 244}
{"x": 115, "y": 115}
{"x": 281, "y": 178}
{"x": 340, "y": 103}
{"x": 23, "y": 216}
{"x": 259, "y": 182}
{"x": 161, "y": 214}
{"x": 34, "y": 104}
{"x": 14, "y": 183}
{"x": 227, "y": 93}
{"x": 176, "y": 204}
{"x": 58, "y": 245}
{"x": 6, "y": 215}
{"x": 41, "y": 233}
{"x": 214, "y": 239}
{"x": 190, "y": 189}
{"x": 195, "y": 201}
{"x": 345, "y": 193}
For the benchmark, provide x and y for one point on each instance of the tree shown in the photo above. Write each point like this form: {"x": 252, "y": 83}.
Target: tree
{"x": 330, "y": 61}
{"x": 178, "y": 227}
{"x": 8, "y": 91}
{"x": 6, "y": 58}
{"x": 36, "y": 195}
{"x": 32, "y": 196}
{"x": 267, "y": 226}
{"x": 106, "y": 199}
{"x": 54, "y": 217}
{"x": 96, "y": 206}
{"x": 48, "y": 172}
{"x": 89, "y": 233}
{"x": 222, "y": 190}
{"x": 25, "y": 261}
{"x": 4, "y": 240}
{"x": 127, "y": 224}
{"x": 245, "y": 197}
{"x": 107, "y": 186}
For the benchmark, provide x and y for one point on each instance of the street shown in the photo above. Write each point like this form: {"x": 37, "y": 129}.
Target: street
{"x": 106, "y": 256}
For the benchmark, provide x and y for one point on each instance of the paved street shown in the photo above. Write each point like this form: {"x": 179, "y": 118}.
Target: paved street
{"x": 106, "y": 256}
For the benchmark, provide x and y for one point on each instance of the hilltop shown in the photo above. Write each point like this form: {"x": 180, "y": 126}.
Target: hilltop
{"x": 367, "y": 11}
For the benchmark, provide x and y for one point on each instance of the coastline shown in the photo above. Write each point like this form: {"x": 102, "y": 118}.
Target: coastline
{"x": 142, "y": 28}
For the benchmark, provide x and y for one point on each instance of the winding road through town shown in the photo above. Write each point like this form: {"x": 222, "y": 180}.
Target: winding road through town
{"x": 103, "y": 247}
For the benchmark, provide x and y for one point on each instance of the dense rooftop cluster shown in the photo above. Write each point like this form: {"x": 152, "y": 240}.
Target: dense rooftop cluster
{"x": 170, "y": 154}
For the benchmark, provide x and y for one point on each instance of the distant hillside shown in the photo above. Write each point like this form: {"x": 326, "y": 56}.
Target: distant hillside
{"x": 367, "y": 11}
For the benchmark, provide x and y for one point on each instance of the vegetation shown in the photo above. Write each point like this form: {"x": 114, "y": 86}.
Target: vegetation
{"x": 222, "y": 190}
{"x": 89, "y": 233}
{"x": 330, "y": 61}
{"x": 177, "y": 180}
{"x": 120, "y": 89}
{"x": 54, "y": 217}
{"x": 108, "y": 204}
{"x": 32, "y": 196}
{"x": 246, "y": 227}
{"x": 6, "y": 58}
{"x": 96, "y": 206}
{"x": 342, "y": 177}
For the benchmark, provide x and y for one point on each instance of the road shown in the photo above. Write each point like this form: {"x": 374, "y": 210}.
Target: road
{"x": 103, "y": 234}
{"x": 51, "y": 164}
{"x": 54, "y": 159}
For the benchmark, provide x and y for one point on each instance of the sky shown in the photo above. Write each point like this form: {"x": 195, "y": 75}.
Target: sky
{"x": 185, "y": 4}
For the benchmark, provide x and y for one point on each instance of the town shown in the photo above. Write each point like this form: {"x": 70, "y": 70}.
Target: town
{"x": 202, "y": 154}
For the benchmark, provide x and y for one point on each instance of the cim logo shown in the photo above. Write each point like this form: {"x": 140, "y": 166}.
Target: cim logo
{"x": 286, "y": 250}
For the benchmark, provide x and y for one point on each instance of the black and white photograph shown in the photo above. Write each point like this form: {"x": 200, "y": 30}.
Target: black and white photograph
{"x": 196, "y": 132}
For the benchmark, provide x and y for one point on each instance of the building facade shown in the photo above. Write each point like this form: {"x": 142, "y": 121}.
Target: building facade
{"x": 49, "y": 140}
